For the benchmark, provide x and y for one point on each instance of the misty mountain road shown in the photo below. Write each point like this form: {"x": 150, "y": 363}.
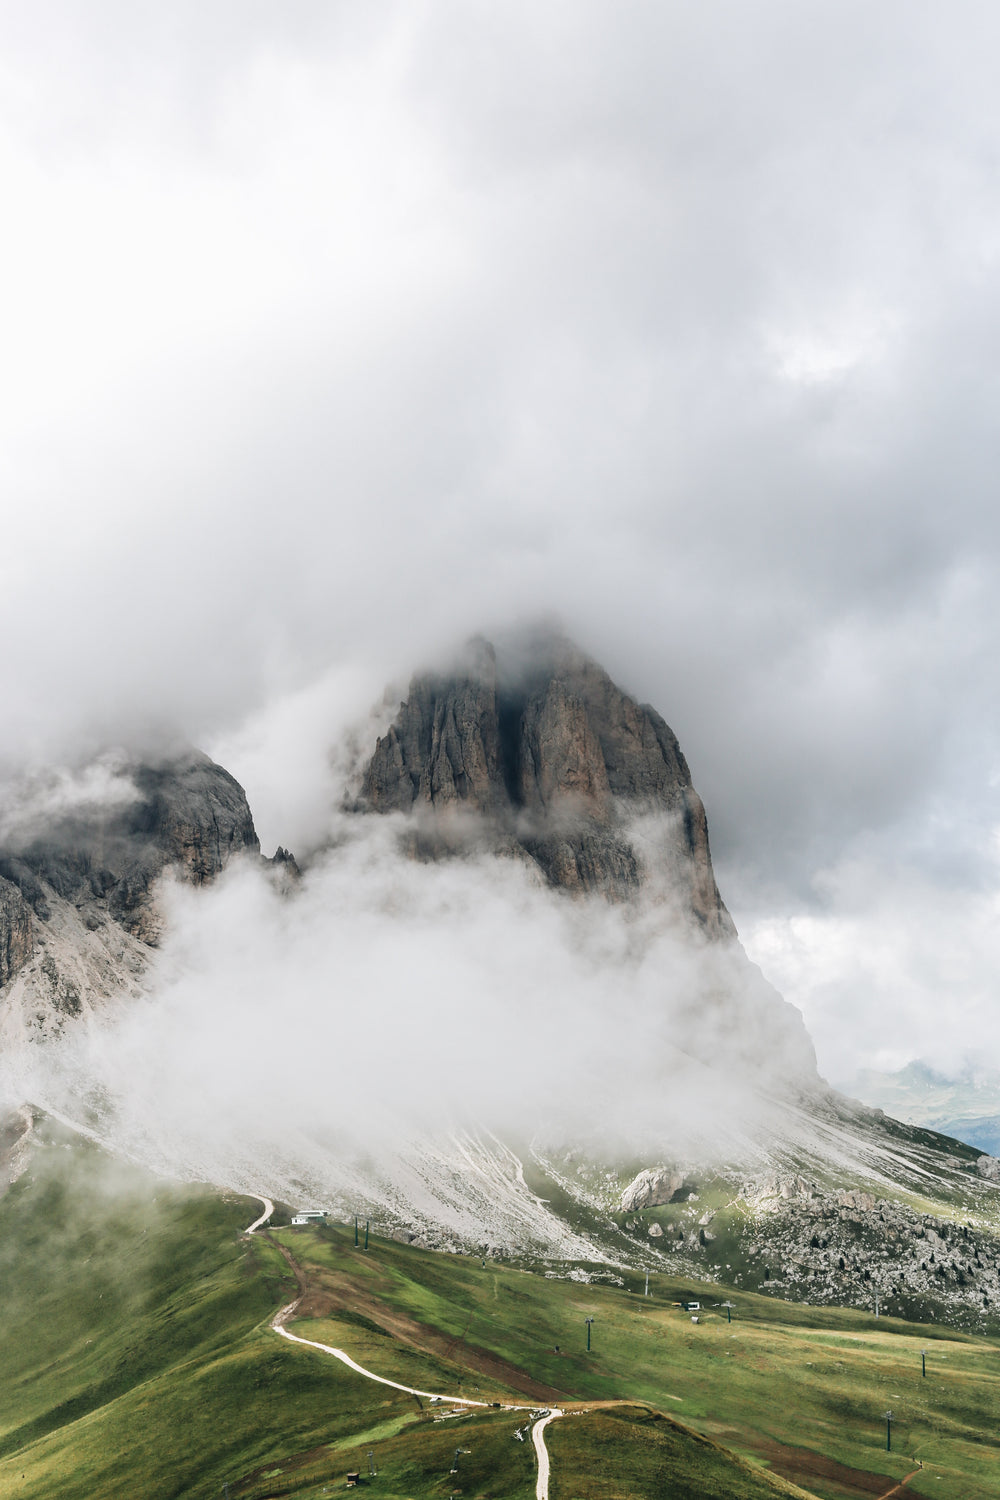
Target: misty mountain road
{"x": 542, "y": 1453}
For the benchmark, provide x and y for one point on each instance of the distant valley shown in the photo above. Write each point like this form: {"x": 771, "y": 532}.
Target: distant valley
{"x": 967, "y": 1107}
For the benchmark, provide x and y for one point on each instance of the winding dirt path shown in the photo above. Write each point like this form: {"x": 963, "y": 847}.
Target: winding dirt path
{"x": 542, "y": 1453}
{"x": 897, "y": 1489}
{"x": 283, "y": 1314}
{"x": 537, "y": 1431}
{"x": 278, "y": 1326}
{"x": 281, "y": 1317}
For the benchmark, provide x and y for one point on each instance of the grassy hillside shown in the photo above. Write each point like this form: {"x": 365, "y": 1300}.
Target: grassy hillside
{"x": 133, "y": 1360}
{"x": 799, "y": 1389}
{"x": 136, "y": 1359}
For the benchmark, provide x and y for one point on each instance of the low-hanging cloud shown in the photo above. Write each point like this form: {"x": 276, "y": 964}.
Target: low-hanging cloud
{"x": 889, "y": 971}
{"x": 332, "y": 337}
{"x": 385, "y": 999}
{"x": 32, "y": 804}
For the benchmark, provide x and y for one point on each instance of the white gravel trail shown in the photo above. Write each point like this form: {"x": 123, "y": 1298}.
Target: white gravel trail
{"x": 277, "y": 1323}
{"x": 537, "y": 1431}
{"x": 268, "y": 1211}
{"x": 542, "y": 1453}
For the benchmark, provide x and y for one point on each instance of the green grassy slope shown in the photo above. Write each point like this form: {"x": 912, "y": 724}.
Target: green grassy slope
{"x": 133, "y": 1360}
{"x": 630, "y": 1452}
{"x": 801, "y": 1389}
{"x": 136, "y": 1359}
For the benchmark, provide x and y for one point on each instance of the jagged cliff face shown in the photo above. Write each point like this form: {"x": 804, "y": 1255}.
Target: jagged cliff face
{"x": 560, "y": 763}
{"x": 77, "y": 908}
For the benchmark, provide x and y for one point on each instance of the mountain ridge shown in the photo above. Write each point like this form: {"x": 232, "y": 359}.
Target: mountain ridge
{"x": 78, "y": 913}
{"x": 555, "y": 757}
{"x": 542, "y": 759}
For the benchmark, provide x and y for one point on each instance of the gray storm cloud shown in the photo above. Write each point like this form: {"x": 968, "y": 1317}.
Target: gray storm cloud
{"x": 331, "y": 337}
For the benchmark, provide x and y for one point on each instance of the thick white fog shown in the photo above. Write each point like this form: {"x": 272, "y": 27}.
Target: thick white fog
{"x": 335, "y": 333}
{"x": 385, "y": 999}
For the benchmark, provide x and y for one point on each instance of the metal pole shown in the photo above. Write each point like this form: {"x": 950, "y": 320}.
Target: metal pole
{"x": 366, "y": 1234}
{"x": 923, "y": 1363}
{"x": 371, "y": 1462}
{"x": 588, "y": 1322}
{"x": 876, "y": 1304}
{"x": 647, "y": 1284}
{"x": 355, "y": 1231}
{"x": 888, "y": 1432}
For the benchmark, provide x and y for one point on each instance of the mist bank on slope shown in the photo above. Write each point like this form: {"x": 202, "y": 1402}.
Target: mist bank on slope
{"x": 388, "y": 997}
{"x": 527, "y": 940}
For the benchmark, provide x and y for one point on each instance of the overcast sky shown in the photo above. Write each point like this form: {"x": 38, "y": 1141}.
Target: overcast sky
{"x": 332, "y": 333}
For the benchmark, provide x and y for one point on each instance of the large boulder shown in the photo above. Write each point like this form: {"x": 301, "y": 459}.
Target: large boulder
{"x": 652, "y": 1187}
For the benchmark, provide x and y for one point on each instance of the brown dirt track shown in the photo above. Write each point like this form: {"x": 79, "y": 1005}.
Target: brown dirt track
{"x": 803, "y": 1467}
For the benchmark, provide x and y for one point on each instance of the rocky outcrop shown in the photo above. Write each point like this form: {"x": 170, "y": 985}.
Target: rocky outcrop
{"x": 194, "y": 815}
{"x": 16, "y": 938}
{"x": 555, "y": 759}
{"x": 77, "y": 907}
{"x": 849, "y": 1246}
{"x": 187, "y": 813}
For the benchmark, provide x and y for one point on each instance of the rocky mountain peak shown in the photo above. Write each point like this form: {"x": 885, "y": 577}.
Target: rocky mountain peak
{"x": 77, "y": 910}
{"x": 559, "y": 762}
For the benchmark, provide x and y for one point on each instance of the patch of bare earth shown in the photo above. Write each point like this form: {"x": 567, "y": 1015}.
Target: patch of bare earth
{"x": 804, "y": 1467}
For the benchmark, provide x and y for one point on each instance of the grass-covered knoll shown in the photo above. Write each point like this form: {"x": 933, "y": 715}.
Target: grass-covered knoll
{"x": 628, "y": 1453}
{"x": 631, "y": 1452}
{"x": 414, "y": 1455}
{"x": 108, "y": 1279}
{"x": 801, "y": 1389}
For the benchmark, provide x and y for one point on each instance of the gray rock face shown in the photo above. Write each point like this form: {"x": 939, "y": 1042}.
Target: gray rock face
{"x": 16, "y": 937}
{"x": 989, "y": 1167}
{"x": 93, "y": 872}
{"x": 189, "y": 813}
{"x": 556, "y": 758}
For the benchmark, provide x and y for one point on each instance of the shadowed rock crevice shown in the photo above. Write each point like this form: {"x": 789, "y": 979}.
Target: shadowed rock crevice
{"x": 16, "y": 934}
{"x": 557, "y": 762}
